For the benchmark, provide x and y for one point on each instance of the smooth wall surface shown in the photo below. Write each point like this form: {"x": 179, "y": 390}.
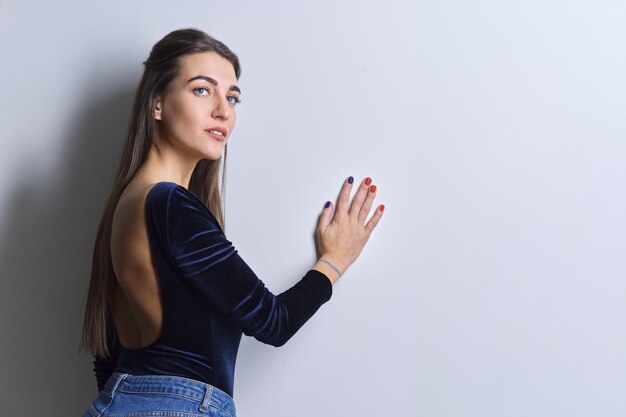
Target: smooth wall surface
{"x": 494, "y": 284}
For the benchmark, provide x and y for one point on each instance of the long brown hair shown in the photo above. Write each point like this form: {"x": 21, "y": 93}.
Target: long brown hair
{"x": 161, "y": 67}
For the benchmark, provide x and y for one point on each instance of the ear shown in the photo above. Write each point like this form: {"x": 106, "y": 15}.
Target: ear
{"x": 158, "y": 109}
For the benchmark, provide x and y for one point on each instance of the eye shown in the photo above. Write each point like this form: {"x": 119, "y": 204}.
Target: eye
{"x": 235, "y": 100}
{"x": 202, "y": 88}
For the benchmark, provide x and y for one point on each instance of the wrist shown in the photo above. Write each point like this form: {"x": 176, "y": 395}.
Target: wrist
{"x": 329, "y": 267}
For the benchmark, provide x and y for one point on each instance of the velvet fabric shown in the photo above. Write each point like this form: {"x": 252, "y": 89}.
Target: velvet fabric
{"x": 210, "y": 296}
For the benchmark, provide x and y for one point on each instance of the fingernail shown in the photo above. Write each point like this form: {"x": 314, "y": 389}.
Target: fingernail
{"x": 327, "y": 204}
{"x": 382, "y": 207}
{"x": 368, "y": 180}
{"x": 350, "y": 179}
{"x": 373, "y": 188}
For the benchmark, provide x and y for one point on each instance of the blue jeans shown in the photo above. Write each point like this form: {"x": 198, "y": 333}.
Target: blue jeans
{"x": 159, "y": 395}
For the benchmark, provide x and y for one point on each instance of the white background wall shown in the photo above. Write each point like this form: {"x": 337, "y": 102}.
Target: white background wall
{"x": 494, "y": 284}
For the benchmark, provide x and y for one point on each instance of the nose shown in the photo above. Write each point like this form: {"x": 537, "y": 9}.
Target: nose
{"x": 221, "y": 109}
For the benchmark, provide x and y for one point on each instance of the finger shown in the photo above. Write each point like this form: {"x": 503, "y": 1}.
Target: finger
{"x": 325, "y": 216}
{"x": 371, "y": 224}
{"x": 341, "y": 211}
{"x": 367, "y": 204}
{"x": 356, "y": 207}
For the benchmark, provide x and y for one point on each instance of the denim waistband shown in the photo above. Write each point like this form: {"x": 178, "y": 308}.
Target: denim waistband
{"x": 206, "y": 394}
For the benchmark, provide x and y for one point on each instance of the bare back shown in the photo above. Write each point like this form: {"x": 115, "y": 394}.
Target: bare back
{"x": 136, "y": 304}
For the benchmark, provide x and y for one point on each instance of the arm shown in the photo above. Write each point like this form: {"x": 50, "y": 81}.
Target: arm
{"x": 242, "y": 297}
{"x": 208, "y": 262}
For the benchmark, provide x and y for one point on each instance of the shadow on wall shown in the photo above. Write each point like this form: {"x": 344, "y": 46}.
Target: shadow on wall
{"x": 46, "y": 247}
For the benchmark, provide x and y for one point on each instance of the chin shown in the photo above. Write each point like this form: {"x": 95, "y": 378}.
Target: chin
{"x": 213, "y": 156}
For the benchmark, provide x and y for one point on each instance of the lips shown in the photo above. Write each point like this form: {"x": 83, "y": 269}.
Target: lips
{"x": 216, "y": 136}
{"x": 212, "y": 131}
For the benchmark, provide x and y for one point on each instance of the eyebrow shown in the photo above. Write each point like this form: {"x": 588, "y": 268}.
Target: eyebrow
{"x": 213, "y": 81}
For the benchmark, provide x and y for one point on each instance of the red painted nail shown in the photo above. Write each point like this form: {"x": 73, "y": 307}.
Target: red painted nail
{"x": 373, "y": 188}
{"x": 382, "y": 207}
{"x": 368, "y": 180}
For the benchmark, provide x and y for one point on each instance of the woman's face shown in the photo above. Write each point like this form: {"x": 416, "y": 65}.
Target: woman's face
{"x": 198, "y": 114}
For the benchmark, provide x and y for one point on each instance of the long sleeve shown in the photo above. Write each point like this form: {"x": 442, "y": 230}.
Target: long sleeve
{"x": 209, "y": 262}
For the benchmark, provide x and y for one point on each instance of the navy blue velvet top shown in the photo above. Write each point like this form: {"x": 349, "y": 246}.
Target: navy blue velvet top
{"x": 210, "y": 296}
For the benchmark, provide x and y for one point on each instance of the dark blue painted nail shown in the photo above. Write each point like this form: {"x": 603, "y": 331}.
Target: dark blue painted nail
{"x": 350, "y": 179}
{"x": 327, "y": 204}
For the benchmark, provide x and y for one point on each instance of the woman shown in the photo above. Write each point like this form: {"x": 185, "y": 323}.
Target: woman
{"x": 169, "y": 296}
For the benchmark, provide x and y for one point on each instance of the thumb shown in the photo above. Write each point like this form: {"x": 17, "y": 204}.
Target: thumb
{"x": 326, "y": 216}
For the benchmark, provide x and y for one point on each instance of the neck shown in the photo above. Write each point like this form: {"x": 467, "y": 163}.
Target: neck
{"x": 164, "y": 164}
